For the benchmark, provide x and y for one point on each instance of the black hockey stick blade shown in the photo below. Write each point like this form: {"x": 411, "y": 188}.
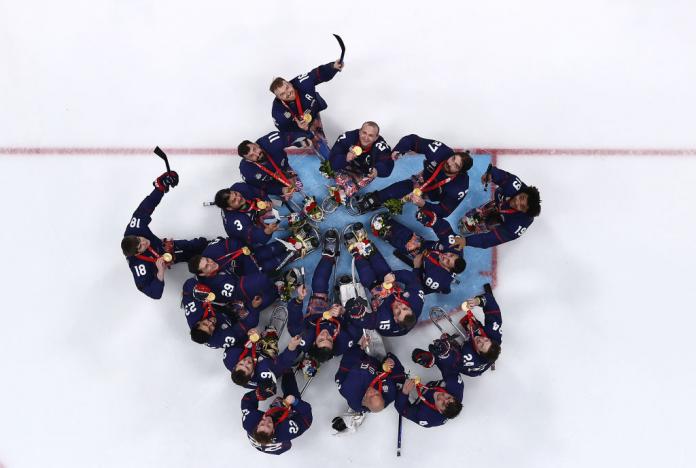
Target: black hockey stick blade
{"x": 342, "y": 46}
{"x": 161, "y": 154}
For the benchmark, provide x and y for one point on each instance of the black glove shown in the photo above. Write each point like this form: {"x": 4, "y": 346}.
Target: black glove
{"x": 423, "y": 357}
{"x": 266, "y": 389}
{"x": 166, "y": 180}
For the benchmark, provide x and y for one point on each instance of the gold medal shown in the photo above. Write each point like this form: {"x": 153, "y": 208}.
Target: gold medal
{"x": 356, "y": 150}
{"x": 465, "y": 305}
{"x": 386, "y": 367}
{"x": 246, "y": 250}
{"x": 167, "y": 257}
{"x": 387, "y": 286}
{"x": 254, "y": 337}
{"x": 326, "y": 315}
{"x": 261, "y": 205}
{"x": 417, "y": 192}
{"x": 307, "y": 117}
{"x": 416, "y": 379}
{"x": 210, "y": 297}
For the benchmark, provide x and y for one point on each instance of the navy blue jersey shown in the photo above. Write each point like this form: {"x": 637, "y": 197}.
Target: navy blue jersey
{"x": 306, "y": 325}
{"x": 273, "y": 145}
{"x": 357, "y": 372}
{"x": 382, "y": 318}
{"x": 285, "y": 113}
{"x": 513, "y": 223}
{"x": 377, "y": 155}
{"x": 245, "y": 223}
{"x": 294, "y": 425}
{"x": 465, "y": 358}
{"x": 444, "y": 199}
{"x": 423, "y": 413}
{"x": 142, "y": 266}
{"x": 434, "y": 277}
{"x": 268, "y": 370}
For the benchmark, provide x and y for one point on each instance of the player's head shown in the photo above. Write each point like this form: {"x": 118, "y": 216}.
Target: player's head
{"x": 403, "y": 314}
{"x": 250, "y": 151}
{"x": 373, "y": 400}
{"x": 282, "y": 89}
{"x": 202, "y": 266}
{"x": 452, "y": 262}
{"x": 229, "y": 199}
{"x": 487, "y": 348}
{"x": 203, "y": 330}
{"x": 368, "y": 134}
{"x": 527, "y": 201}
{"x": 458, "y": 162}
{"x": 243, "y": 370}
{"x": 322, "y": 349}
{"x": 132, "y": 245}
{"x": 264, "y": 431}
{"x": 447, "y": 405}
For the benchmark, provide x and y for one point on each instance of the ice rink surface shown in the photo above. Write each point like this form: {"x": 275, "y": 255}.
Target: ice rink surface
{"x": 597, "y": 297}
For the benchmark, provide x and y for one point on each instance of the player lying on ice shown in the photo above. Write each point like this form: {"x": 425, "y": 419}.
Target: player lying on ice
{"x": 358, "y": 157}
{"x": 297, "y": 104}
{"x": 149, "y": 256}
{"x": 435, "y": 263}
{"x": 506, "y": 217}
{"x": 476, "y": 350}
{"x": 286, "y": 419}
{"x": 397, "y": 296}
{"x": 265, "y": 163}
{"x": 439, "y": 188}
{"x": 326, "y": 330}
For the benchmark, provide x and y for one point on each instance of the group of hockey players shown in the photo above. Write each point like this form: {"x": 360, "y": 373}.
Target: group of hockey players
{"x": 237, "y": 277}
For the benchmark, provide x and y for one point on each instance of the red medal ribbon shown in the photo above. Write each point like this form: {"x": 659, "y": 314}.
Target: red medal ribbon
{"x": 435, "y": 261}
{"x": 298, "y": 103}
{"x": 249, "y": 346}
{"x": 420, "y": 389}
{"x": 272, "y": 412}
{"x": 379, "y": 380}
{"x": 277, "y": 174}
{"x": 337, "y": 326}
{"x": 426, "y": 186}
{"x": 145, "y": 258}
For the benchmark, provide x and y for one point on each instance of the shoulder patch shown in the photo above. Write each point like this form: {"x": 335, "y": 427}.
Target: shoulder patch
{"x": 258, "y": 175}
{"x": 287, "y": 114}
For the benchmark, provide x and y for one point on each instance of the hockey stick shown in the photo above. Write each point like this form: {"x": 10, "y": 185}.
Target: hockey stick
{"x": 398, "y": 436}
{"x": 487, "y": 174}
{"x": 342, "y": 46}
{"x": 161, "y": 154}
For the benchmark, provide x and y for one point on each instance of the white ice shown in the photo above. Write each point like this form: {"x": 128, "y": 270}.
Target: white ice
{"x": 597, "y": 297}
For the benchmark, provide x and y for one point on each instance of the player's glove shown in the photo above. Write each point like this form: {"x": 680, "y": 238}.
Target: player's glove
{"x": 441, "y": 347}
{"x": 166, "y": 180}
{"x": 426, "y": 217}
{"x": 266, "y": 389}
{"x": 309, "y": 367}
{"x": 423, "y": 357}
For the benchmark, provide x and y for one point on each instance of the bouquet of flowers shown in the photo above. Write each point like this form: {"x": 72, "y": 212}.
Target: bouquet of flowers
{"x": 395, "y": 206}
{"x": 312, "y": 208}
{"x": 326, "y": 170}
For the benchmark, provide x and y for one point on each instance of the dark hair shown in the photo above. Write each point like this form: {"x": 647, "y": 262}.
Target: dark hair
{"x": 533, "y": 200}
{"x": 243, "y": 148}
{"x": 452, "y": 409}
{"x": 320, "y": 354}
{"x": 199, "y": 336}
{"x": 493, "y": 352}
{"x": 194, "y": 264}
{"x": 459, "y": 265}
{"x": 221, "y": 198}
{"x": 276, "y": 83}
{"x": 240, "y": 377}
{"x": 129, "y": 245}
{"x": 408, "y": 321}
{"x": 467, "y": 162}
{"x": 262, "y": 438}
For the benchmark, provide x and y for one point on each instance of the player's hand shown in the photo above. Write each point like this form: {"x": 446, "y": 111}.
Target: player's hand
{"x": 301, "y": 291}
{"x": 161, "y": 266}
{"x": 486, "y": 177}
{"x": 338, "y": 65}
{"x": 373, "y": 173}
{"x": 256, "y": 301}
{"x": 418, "y": 260}
{"x": 474, "y": 301}
{"x": 287, "y": 192}
{"x": 417, "y": 200}
{"x": 389, "y": 278}
{"x": 459, "y": 242}
{"x": 253, "y": 331}
{"x": 413, "y": 243}
{"x": 289, "y": 400}
{"x": 388, "y": 365}
{"x": 364, "y": 342}
{"x": 336, "y": 310}
{"x": 395, "y": 155}
{"x": 303, "y": 124}
{"x": 350, "y": 156}
{"x": 271, "y": 228}
{"x": 294, "y": 342}
{"x": 409, "y": 385}
{"x": 166, "y": 180}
